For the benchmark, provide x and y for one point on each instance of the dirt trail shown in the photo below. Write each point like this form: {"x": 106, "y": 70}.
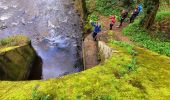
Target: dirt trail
{"x": 117, "y": 32}
{"x": 90, "y": 52}
{"x": 90, "y": 46}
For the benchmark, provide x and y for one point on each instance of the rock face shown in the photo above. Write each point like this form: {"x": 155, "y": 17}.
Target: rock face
{"x": 16, "y": 63}
{"x": 80, "y": 6}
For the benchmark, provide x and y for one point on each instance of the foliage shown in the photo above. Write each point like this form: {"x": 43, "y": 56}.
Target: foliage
{"x": 106, "y": 7}
{"x": 37, "y": 95}
{"x": 142, "y": 37}
{"x": 164, "y": 6}
{"x": 131, "y": 65}
{"x": 93, "y": 17}
{"x": 128, "y": 47}
{"x": 162, "y": 15}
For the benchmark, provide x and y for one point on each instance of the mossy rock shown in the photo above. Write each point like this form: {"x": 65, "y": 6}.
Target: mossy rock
{"x": 12, "y": 42}
{"x": 17, "y": 57}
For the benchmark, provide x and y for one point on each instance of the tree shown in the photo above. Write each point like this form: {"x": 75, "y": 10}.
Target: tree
{"x": 128, "y": 2}
{"x": 150, "y": 10}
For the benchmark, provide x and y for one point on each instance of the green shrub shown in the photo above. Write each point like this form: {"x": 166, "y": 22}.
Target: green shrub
{"x": 37, "y": 95}
{"x": 131, "y": 65}
{"x": 93, "y": 17}
{"x": 104, "y": 7}
{"x": 162, "y": 15}
{"x": 143, "y": 38}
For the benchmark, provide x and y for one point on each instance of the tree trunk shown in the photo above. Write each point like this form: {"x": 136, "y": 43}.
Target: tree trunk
{"x": 127, "y": 3}
{"x": 150, "y": 10}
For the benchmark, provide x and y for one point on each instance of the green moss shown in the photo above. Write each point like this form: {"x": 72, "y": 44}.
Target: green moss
{"x": 8, "y": 48}
{"x": 150, "y": 80}
{"x": 16, "y": 62}
{"x": 11, "y": 41}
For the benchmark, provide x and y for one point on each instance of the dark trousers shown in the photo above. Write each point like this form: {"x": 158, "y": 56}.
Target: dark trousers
{"x": 121, "y": 21}
{"x": 111, "y": 26}
{"x": 132, "y": 18}
{"x": 94, "y": 35}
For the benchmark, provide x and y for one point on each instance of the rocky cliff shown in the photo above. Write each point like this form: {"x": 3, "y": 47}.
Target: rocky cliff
{"x": 16, "y": 61}
{"x": 80, "y": 6}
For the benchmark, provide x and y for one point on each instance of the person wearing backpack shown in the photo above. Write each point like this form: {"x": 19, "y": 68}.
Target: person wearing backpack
{"x": 124, "y": 15}
{"x": 135, "y": 13}
{"x": 97, "y": 29}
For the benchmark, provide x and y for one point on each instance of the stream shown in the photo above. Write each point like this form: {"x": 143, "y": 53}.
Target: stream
{"x": 54, "y": 29}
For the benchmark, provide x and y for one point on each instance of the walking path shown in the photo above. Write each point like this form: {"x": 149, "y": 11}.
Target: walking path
{"x": 90, "y": 46}
{"x": 117, "y": 32}
{"x": 90, "y": 52}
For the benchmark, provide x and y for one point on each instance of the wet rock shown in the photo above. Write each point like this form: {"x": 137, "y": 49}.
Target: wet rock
{"x": 3, "y": 27}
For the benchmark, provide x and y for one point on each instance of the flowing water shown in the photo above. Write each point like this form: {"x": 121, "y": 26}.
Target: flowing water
{"x": 53, "y": 27}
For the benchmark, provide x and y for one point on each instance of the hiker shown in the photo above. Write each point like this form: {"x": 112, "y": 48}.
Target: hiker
{"x": 124, "y": 15}
{"x": 134, "y": 14}
{"x": 97, "y": 29}
{"x": 112, "y": 21}
{"x": 140, "y": 8}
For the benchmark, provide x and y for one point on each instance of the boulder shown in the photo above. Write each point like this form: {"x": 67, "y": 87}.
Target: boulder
{"x": 17, "y": 61}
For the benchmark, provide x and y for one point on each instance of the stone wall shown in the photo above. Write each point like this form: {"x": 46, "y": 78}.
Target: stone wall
{"x": 104, "y": 50}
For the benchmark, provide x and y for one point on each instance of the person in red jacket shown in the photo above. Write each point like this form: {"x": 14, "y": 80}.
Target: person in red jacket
{"x": 112, "y": 21}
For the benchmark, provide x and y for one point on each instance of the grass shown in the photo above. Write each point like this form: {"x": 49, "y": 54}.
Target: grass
{"x": 8, "y": 48}
{"x": 164, "y": 6}
{"x": 13, "y": 41}
{"x": 108, "y": 81}
{"x": 36, "y": 95}
{"x": 162, "y": 16}
{"x": 131, "y": 66}
{"x": 143, "y": 38}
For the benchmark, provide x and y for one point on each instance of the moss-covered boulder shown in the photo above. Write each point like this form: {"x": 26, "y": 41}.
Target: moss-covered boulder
{"x": 17, "y": 58}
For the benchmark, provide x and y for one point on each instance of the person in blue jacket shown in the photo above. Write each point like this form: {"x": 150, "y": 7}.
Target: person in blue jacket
{"x": 97, "y": 29}
{"x": 136, "y": 12}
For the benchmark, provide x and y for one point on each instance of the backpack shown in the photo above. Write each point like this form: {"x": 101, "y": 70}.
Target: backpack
{"x": 140, "y": 8}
